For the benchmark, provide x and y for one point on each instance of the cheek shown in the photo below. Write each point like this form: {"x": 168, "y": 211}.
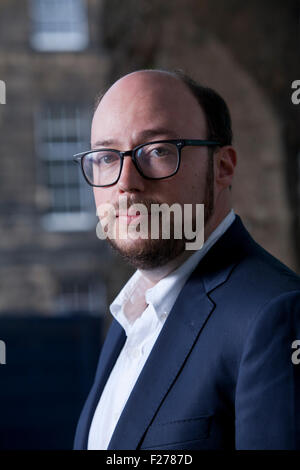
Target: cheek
{"x": 177, "y": 190}
{"x": 101, "y": 196}
{"x": 190, "y": 184}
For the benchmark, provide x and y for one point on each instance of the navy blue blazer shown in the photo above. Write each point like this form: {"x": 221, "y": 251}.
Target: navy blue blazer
{"x": 220, "y": 375}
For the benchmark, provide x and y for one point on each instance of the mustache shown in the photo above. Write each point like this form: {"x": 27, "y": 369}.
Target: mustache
{"x": 123, "y": 206}
{"x": 147, "y": 202}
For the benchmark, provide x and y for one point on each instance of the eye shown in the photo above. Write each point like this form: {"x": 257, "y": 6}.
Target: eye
{"x": 159, "y": 150}
{"x": 106, "y": 158}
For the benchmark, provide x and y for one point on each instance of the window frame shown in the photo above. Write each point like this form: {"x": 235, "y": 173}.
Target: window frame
{"x": 69, "y": 218}
{"x": 54, "y": 29}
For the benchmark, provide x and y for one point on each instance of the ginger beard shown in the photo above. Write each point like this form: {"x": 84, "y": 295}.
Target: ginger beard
{"x": 151, "y": 253}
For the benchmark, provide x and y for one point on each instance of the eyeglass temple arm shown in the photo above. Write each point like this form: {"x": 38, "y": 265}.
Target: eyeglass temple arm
{"x": 197, "y": 142}
{"x": 77, "y": 158}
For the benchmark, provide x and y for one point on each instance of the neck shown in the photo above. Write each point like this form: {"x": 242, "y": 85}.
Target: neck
{"x": 156, "y": 274}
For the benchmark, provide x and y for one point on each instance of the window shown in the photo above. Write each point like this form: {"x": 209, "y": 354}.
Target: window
{"x": 62, "y": 131}
{"x": 59, "y": 25}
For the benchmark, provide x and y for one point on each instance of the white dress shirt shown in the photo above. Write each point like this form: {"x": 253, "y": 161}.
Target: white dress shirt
{"x": 141, "y": 336}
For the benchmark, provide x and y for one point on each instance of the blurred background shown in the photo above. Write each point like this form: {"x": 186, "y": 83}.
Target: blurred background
{"x": 57, "y": 278}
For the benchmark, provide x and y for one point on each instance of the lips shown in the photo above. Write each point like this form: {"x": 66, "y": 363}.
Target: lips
{"x": 128, "y": 214}
{"x": 128, "y": 218}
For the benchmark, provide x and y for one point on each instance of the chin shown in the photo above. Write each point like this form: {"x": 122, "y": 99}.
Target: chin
{"x": 129, "y": 245}
{"x": 147, "y": 254}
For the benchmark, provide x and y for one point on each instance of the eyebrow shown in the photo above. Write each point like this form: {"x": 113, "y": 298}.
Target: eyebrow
{"x": 144, "y": 135}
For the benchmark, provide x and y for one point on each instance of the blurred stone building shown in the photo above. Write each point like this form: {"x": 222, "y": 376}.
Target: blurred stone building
{"x": 51, "y": 61}
{"x": 249, "y": 52}
{"x": 55, "y": 56}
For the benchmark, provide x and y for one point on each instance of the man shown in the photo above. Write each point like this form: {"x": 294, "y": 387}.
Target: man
{"x": 199, "y": 353}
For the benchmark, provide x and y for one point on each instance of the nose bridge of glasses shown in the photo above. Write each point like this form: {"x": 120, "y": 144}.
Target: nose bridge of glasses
{"x": 127, "y": 153}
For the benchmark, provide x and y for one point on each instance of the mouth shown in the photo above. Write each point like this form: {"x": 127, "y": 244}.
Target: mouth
{"x": 128, "y": 217}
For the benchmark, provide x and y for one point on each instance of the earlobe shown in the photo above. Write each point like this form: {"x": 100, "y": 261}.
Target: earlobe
{"x": 226, "y": 162}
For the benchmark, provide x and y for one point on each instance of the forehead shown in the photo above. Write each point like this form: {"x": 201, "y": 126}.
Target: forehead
{"x": 148, "y": 101}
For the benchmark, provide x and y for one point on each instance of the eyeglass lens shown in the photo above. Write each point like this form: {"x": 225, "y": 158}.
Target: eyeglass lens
{"x": 153, "y": 160}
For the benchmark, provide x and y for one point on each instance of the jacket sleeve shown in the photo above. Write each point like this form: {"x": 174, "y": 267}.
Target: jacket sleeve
{"x": 267, "y": 401}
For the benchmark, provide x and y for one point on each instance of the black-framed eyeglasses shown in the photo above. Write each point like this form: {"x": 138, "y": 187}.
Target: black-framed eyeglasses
{"x": 154, "y": 160}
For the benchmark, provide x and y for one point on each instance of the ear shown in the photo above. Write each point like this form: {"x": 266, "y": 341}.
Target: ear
{"x": 225, "y": 162}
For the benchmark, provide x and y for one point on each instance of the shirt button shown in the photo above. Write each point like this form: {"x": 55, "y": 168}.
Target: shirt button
{"x": 164, "y": 315}
{"x": 116, "y": 416}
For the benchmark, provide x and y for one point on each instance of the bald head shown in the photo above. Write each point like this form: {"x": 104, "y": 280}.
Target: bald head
{"x": 214, "y": 108}
{"x": 148, "y": 100}
{"x": 147, "y": 78}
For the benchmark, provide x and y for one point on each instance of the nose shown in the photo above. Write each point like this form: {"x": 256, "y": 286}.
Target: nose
{"x": 130, "y": 179}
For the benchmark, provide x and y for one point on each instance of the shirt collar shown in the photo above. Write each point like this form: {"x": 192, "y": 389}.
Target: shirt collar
{"x": 162, "y": 296}
{"x": 159, "y": 296}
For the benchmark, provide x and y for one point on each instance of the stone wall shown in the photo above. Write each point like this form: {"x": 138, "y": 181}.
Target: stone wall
{"x": 34, "y": 262}
{"x": 248, "y": 51}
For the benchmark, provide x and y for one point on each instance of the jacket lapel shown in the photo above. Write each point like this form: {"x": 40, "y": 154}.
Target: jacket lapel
{"x": 110, "y": 351}
{"x": 188, "y": 316}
